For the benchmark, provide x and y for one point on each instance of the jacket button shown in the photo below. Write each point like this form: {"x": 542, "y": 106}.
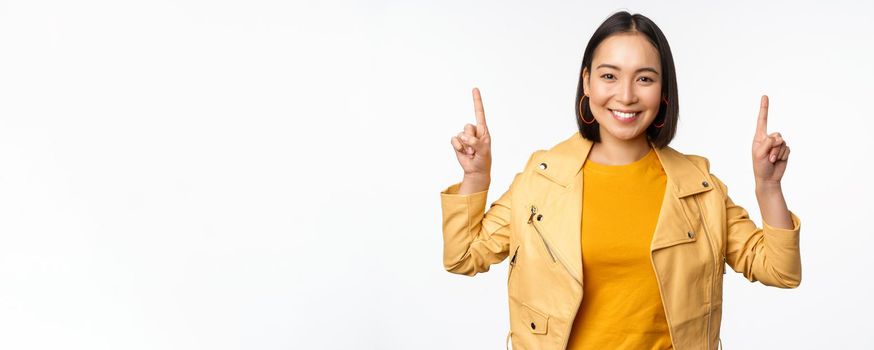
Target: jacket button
{"x": 543, "y": 166}
{"x": 533, "y": 326}
{"x": 539, "y": 217}
{"x": 705, "y": 184}
{"x": 690, "y": 234}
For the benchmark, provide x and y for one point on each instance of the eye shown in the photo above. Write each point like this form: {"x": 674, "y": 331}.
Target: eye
{"x": 646, "y": 79}
{"x": 608, "y": 76}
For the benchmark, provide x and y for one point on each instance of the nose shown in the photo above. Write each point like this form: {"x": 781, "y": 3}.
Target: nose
{"x": 626, "y": 93}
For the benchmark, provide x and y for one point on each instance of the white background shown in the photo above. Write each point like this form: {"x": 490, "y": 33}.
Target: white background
{"x": 266, "y": 175}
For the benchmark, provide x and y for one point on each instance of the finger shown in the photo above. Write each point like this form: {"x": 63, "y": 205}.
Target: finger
{"x": 782, "y": 153}
{"x": 478, "y": 108}
{"x": 778, "y": 139}
{"x": 471, "y": 143}
{"x": 481, "y": 130}
{"x": 456, "y": 144}
{"x": 786, "y": 156}
{"x": 462, "y": 137}
{"x": 470, "y": 130}
{"x": 773, "y": 154}
{"x": 762, "y": 125}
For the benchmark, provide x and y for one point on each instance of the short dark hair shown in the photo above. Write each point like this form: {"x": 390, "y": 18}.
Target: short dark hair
{"x": 624, "y": 22}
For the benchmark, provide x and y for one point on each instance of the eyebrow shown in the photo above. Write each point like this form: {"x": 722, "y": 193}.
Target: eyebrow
{"x": 644, "y": 69}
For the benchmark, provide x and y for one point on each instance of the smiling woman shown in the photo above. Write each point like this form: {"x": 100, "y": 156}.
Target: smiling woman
{"x": 633, "y": 81}
{"x": 634, "y": 261}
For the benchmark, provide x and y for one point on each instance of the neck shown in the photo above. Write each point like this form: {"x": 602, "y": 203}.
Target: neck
{"x": 613, "y": 151}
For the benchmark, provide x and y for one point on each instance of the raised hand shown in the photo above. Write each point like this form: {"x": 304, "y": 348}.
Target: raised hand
{"x": 473, "y": 145}
{"x": 770, "y": 152}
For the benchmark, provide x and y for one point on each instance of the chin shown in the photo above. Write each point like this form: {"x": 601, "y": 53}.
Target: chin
{"x": 626, "y": 136}
{"x": 625, "y": 132}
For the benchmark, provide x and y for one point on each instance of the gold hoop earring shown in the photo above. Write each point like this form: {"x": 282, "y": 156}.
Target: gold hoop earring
{"x": 581, "y": 112}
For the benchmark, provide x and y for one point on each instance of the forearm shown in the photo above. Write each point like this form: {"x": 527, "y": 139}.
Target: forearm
{"x": 472, "y": 240}
{"x": 473, "y": 184}
{"x": 773, "y": 205}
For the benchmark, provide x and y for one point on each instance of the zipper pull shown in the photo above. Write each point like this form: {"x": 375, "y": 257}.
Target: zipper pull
{"x": 533, "y": 211}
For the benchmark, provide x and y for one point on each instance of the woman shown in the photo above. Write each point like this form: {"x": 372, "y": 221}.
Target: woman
{"x": 634, "y": 261}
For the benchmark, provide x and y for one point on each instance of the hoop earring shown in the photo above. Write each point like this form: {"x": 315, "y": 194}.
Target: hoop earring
{"x": 665, "y": 100}
{"x": 581, "y": 112}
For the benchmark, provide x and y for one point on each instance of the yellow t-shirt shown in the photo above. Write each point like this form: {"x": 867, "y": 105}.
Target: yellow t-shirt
{"x": 621, "y": 307}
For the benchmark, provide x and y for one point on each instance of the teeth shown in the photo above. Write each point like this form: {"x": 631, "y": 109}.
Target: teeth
{"x": 624, "y": 115}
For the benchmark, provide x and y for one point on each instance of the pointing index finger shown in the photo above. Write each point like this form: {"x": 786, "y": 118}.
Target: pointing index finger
{"x": 478, "y": 108}
{"x": 762, "y": 125}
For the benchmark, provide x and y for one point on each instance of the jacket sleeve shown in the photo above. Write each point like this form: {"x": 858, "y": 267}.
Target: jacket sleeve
{"x": 769, "y": 255}
{"x": 473, "y": 241}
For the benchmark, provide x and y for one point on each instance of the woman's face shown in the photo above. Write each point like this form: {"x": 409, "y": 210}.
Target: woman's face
{"x": 624, "y": 86}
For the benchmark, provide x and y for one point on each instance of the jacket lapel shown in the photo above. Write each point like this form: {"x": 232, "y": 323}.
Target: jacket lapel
{"x": 564, "y": 163}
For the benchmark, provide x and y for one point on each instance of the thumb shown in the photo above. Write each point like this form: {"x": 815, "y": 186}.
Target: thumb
{"x": 473, "y": 142}
{"x": 764, "y": 148}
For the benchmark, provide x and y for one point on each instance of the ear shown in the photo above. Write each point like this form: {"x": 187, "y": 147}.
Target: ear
{"x": 586, "y": 80}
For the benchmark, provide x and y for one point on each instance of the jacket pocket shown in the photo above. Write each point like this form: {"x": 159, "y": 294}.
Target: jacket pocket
{"x": 535, "y": 320}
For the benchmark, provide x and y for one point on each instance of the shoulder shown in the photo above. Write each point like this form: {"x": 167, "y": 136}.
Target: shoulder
{"x": 534, "y": 157}
{"x": 539, "y": 155}
{"x": 700, "y": 162}
{"x": 564, "y": 156}
{"x": 703, "y": 164}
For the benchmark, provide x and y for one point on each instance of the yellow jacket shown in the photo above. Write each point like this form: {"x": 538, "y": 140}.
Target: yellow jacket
{"x": 536, "y": 222}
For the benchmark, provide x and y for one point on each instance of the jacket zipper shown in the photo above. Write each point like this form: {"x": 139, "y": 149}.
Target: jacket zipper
{"x": 716, "y": 266}
{"x": 531, "y": 221}
{"x": 548, "y": 249}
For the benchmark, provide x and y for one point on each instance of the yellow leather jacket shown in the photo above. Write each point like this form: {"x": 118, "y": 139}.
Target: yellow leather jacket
{"x": 536, "y": 222}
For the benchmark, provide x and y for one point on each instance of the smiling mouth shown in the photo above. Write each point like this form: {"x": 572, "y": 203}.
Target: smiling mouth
{"x": 625, "y": 115}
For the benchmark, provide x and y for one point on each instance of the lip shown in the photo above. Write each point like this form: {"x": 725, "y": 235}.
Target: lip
{"x": 623, "y": 110}
{"x": 625, "y": 120}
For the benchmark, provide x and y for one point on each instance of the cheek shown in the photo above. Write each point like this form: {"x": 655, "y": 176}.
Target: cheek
{"x": 599, "y": 94}
{"x": 652, "y": 99}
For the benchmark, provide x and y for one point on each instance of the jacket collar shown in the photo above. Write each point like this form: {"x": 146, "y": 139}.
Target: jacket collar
{"x": 565, "y": 160}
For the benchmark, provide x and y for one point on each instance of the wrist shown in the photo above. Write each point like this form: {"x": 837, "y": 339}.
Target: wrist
{"x": 768, "y": 187}
{"x": 473, "y": 184}
{"x": 478, "y": 178}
